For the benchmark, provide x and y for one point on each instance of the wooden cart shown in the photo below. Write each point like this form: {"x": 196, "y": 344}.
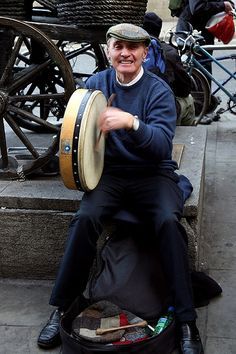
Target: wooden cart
{"x": 42, "y": 62}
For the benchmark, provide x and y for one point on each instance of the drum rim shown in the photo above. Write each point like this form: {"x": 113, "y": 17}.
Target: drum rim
{"x": 76, "y": 148}
{"x": 71, "y": 155}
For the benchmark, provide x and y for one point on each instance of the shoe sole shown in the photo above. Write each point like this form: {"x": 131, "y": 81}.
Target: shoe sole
{"x": 50, "y": 345}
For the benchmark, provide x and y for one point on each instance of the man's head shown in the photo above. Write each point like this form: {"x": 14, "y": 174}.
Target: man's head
{"x": 127, "y": 48}
{"x": 152, "y": 24}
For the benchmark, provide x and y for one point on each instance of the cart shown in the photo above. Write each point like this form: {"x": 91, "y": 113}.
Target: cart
{"x": 42, "y": 62}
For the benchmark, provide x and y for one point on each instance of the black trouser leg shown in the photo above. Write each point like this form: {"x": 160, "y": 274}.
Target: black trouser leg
{"x": 174, "y": 259}
{"x": 160, "y": 203}
{"x": 84, "y": 230}
{"x": 76, "y": 262}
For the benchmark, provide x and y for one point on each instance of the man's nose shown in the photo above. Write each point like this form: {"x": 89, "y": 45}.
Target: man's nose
{"x": 125, "y": 51}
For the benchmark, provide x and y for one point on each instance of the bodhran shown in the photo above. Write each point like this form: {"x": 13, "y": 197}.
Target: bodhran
{"x": 81, "y": 152}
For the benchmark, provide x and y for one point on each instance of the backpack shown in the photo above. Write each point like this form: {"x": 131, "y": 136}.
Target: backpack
{"x": 155, "y": 59}
{"x": 127, "y": 273}
{"x": 157, "y": 62}
{"x": 176, "y": 7}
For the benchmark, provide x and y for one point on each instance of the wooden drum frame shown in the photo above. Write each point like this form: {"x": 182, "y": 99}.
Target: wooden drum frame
{"x": 81, "y": 159}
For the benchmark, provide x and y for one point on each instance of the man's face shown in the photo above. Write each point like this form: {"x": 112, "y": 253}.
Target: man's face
{"x": 126, "y": 58}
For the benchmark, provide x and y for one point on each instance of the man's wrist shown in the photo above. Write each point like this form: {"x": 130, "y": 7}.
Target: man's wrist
{"x": 135, "y": 124}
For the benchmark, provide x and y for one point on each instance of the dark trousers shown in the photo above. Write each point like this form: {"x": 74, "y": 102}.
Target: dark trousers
{"x": 157, "y": 200}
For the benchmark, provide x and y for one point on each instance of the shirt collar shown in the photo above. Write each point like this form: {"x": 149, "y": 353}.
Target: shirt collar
{"x": 136, "y": 79}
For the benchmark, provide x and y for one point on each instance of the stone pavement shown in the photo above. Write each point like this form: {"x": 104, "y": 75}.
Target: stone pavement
{"x": 217, "y": 321}
{"x": 24, "y": 304}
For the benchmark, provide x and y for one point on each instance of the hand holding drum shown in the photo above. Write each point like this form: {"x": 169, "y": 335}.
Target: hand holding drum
{"x": 114, "y": 118}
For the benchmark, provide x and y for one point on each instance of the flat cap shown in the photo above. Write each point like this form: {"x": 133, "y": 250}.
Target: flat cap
{"x": 128, "y": 32}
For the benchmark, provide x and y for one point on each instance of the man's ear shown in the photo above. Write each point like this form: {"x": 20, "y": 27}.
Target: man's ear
{"x": 145, "y": 52}
{"x": 108, "y": 53}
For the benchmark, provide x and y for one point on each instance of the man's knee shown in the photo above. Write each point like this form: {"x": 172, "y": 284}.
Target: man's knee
{"x": 173, "y": 230}
{"x": 84, "y": 217}
{"x": 165, "y": 220}
{"x": 169, "y": 219}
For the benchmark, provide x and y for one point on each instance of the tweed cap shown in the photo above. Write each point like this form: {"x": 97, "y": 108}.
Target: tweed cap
{"x": 128, "y": 32}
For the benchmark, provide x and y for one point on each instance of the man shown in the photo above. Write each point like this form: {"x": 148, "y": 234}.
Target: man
{"x": 138, "y": 169}
{"x": 175, "y": 74}
{"x": 197, "y": 13}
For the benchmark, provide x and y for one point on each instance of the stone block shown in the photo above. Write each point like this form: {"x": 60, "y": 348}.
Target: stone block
{"x": 35, "y": 214}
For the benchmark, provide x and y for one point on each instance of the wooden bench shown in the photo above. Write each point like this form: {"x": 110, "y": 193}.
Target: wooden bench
{"x": 35, "y": 214}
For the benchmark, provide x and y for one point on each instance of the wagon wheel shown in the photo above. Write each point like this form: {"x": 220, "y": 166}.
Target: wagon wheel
{"x": 34, "y": 91}
{"x": 85, "y": 59}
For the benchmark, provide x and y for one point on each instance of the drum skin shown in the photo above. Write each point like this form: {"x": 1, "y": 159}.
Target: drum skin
{"x": 81, "y": 158}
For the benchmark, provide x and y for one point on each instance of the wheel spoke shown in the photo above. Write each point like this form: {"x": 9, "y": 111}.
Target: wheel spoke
{"x": 17, "y": 130}
{"x": 22, "y": 78}
{"x": 24, "y": 59}
{"x": 3, "y": 145}
{"x": 27, "y": 43}
{"x": 31, "y": 117}
{"x": 8, "y": 69}
{"x": 38, "y": 97}
{"x": 76, "y": 52}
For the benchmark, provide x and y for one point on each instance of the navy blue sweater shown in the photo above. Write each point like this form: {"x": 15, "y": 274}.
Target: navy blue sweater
{"x": 153, "y": 102}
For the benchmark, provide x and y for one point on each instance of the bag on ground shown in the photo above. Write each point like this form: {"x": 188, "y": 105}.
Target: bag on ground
{"x": 126, "y": 285}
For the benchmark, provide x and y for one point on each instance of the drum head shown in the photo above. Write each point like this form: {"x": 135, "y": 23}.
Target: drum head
{"x": 81, "y": 160}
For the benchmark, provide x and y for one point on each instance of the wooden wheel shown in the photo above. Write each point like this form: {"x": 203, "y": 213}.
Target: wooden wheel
{"x": 85, "y": 59}
{"x": 36, "y": 82}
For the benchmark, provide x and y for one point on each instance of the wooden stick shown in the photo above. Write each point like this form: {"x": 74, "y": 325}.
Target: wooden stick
{"x": 107, "y": 330}
{"x": 110, "y": 99}
{"x": 109, "y": 103}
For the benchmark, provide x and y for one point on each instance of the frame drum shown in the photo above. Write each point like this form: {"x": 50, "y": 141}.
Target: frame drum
{"x": 81, "y": 159}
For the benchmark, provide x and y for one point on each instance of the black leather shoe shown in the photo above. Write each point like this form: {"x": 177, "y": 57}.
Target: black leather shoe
{"x": 49, "y": 337}
{"x": 190, "y": 341}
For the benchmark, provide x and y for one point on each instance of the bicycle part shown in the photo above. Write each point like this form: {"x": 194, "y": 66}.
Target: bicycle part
{"x": 214, "y": 103}
{"x": 29, "y": 90}
{"x": 184, "y": 40}
{"x": 200, "y": 90}
{"x": 232, "y": 105}
{"x": 216, "y": 116}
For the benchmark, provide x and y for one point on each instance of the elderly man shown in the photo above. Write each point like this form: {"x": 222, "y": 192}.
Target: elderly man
{"x": 138, "y": 168}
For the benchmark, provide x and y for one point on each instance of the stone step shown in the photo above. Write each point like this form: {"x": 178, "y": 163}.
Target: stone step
{"x": 35, "y": 214}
